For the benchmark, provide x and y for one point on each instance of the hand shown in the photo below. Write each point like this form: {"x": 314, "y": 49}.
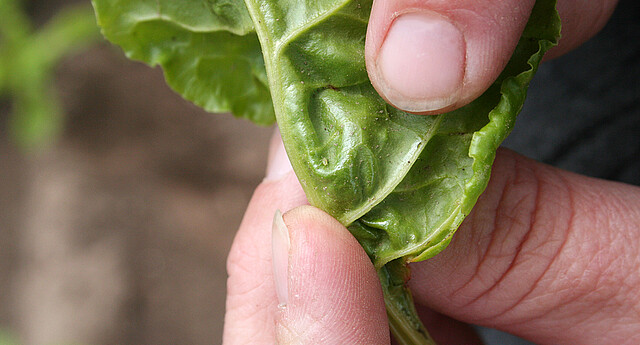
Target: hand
{"x": 325, "y": 289}
{"x": 546, "y": 254}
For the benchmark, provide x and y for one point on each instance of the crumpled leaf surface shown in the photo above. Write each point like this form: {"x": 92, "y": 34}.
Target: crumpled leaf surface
{"x": 402, "y": 183}
{"x": 208, "y": 50}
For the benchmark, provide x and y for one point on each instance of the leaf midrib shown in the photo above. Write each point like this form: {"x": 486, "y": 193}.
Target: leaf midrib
{"x": 273, "y": 53}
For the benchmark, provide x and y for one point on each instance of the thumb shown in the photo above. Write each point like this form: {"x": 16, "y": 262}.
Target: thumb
{"x": 327, "y": 287}
{"x": 436, "y": 56}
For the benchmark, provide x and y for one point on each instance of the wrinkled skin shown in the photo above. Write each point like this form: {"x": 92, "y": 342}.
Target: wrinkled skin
{"x": 546, "y": 254}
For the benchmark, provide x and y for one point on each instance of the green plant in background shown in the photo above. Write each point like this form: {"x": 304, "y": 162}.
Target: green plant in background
{"x": 402, "y": 183}
{"x": 28, "y": 58}
{"x": 7, "y": 338}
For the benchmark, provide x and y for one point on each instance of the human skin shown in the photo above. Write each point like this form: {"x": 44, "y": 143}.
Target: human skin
{"x": 461, "y": 46}
{"x": 546, "y": 254}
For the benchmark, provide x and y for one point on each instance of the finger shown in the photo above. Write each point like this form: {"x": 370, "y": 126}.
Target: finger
{"x": 546, "y": 254}
{"x": 331, "y": 294}
{"x": 430, "y": 56}
{"x": 447, "y": 331}
{"x": 251, "y": 293}
{"x": 581, "y": 20}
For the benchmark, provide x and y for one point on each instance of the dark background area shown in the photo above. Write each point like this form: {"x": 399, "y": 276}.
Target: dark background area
{"x": 118, "y": 233}
{"x": 583, "y": 111}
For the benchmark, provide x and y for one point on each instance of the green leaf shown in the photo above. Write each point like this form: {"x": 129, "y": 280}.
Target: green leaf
{"x": 15, "y": 25}
{"x": 208, "y": 50}
{"x": 70, "y": 30}
{"x": 7, "y": 338}
{"x": 27, "y": 64}
{"x": 402, "y": 183}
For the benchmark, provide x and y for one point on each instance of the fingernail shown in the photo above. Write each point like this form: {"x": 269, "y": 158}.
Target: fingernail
{"x": 280, "y": 257}
{"x": 279, "y": 165}
{"x": 421, "y": 62}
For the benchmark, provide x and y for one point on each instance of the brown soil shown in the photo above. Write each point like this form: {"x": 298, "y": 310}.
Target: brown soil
{"x": 118, "y": 233}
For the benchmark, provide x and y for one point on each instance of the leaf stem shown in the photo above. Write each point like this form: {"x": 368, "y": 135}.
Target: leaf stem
{"x": 404, "y": 321}
{"x": 403, "y": 332}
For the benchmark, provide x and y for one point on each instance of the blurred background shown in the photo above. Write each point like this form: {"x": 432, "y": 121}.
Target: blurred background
{"x": 115, "y": 223}
{"x": 119, "y": 200}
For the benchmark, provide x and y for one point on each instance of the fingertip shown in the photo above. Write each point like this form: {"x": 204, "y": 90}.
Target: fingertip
{"x": 334, "y": 293}
{"x": 421, "y": 63}
{"x": 320, "y": 241}
{"x": 278, "y": 165}
{"x": 433, "y": 57}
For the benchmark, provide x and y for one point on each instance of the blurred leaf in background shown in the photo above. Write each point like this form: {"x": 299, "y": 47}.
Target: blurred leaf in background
{"x": 28, "y": 57}
{"x": 6, "y": 338}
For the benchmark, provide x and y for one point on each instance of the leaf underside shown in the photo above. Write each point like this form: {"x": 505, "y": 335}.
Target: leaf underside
{"x": 402, "y": 183}
{"x": 208, "y": 49}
